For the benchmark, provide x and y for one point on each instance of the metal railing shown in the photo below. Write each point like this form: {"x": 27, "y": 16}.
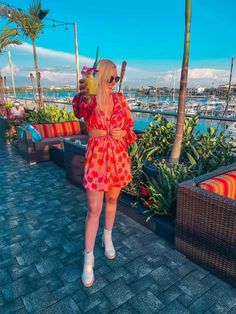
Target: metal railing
{"x": 150, "y": 112}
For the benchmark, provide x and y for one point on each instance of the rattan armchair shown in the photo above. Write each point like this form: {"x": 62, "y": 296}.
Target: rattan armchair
{"x": 206, "y": 226}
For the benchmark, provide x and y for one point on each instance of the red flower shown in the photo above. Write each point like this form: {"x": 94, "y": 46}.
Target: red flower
{"x": 148, "y": 203}
{"x": 144, "y": 191}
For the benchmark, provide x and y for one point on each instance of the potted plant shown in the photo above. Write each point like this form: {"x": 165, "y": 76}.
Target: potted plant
{"x": 155, "y": 180}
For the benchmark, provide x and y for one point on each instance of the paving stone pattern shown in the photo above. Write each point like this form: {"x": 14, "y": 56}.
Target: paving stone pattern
{"x": 42, "y": 220}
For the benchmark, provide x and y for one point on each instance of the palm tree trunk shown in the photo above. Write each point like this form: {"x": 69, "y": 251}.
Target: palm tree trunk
{"x": 176, "y": 150}
{"x": 37, "y": 75}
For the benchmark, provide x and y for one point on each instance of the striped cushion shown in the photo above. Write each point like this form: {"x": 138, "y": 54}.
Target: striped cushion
{"x": 66, "y": 128}
{"x": 48, "y": 130}
{"x": 75, "y": 125}
{"x": 39, "y": 128}
{"x": 58, "y": 129}
{"x": 224, "y": 184}
{"x": 71, "y": 128}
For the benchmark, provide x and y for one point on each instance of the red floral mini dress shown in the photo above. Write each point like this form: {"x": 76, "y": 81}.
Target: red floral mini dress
{"x": 107, "y": 162}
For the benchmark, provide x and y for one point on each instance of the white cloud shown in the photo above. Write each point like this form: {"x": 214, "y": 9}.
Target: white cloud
{"x": 208, "y": 73}
{"x": 59, "y": 77}
{"x": 6, "y": 69}
{"x": 58, "y": 67}
{"x": 196, "y": 76}
{"x": 52, "y": 54}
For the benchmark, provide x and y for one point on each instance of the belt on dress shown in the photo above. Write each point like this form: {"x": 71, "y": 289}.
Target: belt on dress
{"x": 100, "y": 133}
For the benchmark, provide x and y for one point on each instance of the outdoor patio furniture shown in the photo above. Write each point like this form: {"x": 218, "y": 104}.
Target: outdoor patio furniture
{"x": 74, "y": 156}
{"x": 206, "y": 224}
{"x": 57, "y": 154}
{"x": 51, "y": 134}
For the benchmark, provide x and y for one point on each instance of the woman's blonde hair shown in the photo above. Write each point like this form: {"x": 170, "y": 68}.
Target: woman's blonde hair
{"x": 104, "y": 73}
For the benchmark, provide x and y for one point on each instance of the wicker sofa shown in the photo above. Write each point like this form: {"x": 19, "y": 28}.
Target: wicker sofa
{"x": 51, "y": 134}
{"x": 206, "y": 224}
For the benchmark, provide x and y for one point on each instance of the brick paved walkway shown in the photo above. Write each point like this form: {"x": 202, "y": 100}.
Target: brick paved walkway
{"x": 41, "y": 241}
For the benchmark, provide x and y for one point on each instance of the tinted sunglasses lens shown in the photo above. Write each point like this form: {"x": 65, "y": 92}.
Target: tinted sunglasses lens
{"x": 111, "y": 79}
{"x": 117, "y": 79}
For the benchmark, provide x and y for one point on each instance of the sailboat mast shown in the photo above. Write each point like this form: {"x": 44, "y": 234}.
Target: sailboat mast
{"x": 229, "y": 88}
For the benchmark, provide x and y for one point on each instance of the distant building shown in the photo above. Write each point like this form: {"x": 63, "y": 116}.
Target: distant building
{"x": 200, "y": 90}
{"x": 226, "y": 86}
{"x": 69, "y": 87}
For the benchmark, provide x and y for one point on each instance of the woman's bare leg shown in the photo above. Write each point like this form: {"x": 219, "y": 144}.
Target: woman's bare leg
{"x": 95, "y": 202}
{"x": 111, "y": 206}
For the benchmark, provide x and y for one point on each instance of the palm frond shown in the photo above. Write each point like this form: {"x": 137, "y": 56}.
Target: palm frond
{"x": 8, "y": 38}
{"x": 35, "y": 8}
{"x": 30, "y": 23}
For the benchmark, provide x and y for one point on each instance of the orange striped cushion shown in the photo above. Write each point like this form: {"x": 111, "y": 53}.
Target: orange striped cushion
{"x": 48, "y": 130}
{"x": 67, "y": 128}
{"x": 57, "y": 129}
{"x": 224, "y": 184}
{"x": 39, "y": 128}
{"x": 74, "y": 126}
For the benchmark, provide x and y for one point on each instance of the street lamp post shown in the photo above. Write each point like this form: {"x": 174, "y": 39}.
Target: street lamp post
{"x": 76, "y": 55}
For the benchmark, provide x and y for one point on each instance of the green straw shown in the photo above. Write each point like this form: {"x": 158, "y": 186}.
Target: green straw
{"x": 96, "y": 59}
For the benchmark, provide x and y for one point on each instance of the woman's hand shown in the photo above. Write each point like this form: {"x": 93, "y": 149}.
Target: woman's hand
{"x": 83, "y": 90}
{"x": 117, "y": 133}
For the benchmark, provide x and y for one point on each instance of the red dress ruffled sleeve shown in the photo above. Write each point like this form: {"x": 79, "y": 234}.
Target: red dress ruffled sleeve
{"x": 129, "y": 124}
{"x": 81, "y": 108}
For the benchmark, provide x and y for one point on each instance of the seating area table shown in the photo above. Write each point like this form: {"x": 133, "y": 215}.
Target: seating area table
{"x": 74, "y": 161}
{"x": 57, "y": 154}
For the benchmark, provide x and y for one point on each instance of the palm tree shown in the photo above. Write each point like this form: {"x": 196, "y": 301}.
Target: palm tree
{"x": 176, "y": 150}
{"x": 31, "y": 24}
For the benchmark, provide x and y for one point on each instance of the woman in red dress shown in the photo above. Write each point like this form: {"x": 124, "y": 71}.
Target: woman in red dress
{"x": 109, "y": 124}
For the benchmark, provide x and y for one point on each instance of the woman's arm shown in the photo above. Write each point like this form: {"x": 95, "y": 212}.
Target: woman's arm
{"x": 130, "y": 136}
{"x": 82, "y": 108}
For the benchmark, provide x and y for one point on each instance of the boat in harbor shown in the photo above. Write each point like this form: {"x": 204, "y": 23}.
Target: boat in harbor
{"x": 230, "y": 132}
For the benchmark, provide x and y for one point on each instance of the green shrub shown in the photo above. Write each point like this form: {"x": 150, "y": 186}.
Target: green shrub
{"x": 161, "y": 189}
{"x": 137, "y": 154}
{"x": 50, "y": 114}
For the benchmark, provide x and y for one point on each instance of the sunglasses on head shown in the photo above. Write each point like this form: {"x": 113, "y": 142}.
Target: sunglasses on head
{"x": 114, "y": 78}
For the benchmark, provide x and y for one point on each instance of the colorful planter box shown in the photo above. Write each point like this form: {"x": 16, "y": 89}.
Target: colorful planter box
{"x": 162, "y": 226}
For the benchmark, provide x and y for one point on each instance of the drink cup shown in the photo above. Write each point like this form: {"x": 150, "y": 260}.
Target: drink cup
{"x": 92, "y": 84}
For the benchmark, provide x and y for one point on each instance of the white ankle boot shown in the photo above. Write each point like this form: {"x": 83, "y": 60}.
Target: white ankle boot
{"x": 110, "y": 252}
{"x": 87, "y": 275}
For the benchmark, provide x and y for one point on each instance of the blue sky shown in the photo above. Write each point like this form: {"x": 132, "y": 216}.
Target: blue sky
{"x": 147, "y": 34}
